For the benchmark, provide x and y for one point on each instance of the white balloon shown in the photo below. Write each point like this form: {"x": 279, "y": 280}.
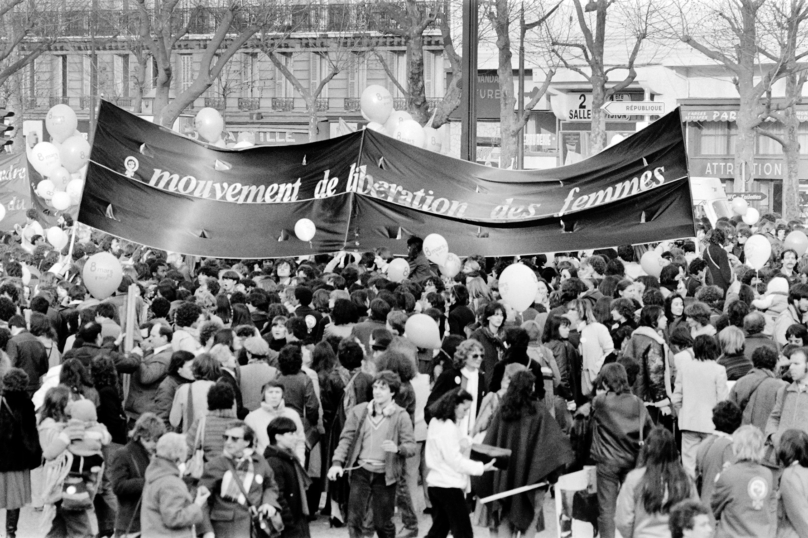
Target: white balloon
{"x": 2, "y": 211}
{"x": 411, "y": 132}
{"x": 518, "y": 286}
{"x": 376, "y": 103}
{"x": 45, "y": 157}
{"x": 398, "y": 270}
{"x": 305, "y": 229}
{"x": 74, "y": 189}
{"x": 61, "y": 200}
{"x": 752, "y": 216}
{"x": 433, "y": 140}
{"x": 243, "y": 144}
{"x": 436, "y": 248}
{"x": 757, "y": 250}
{"x": 395, "y": 118}
{"x": 376, "y": 126}
{"x": 26, "y": 275}
{"x": 46, "y": 189}
{"x": 57, "y": 237}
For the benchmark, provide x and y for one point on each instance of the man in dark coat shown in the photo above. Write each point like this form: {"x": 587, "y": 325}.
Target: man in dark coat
{"x": 26, "y": 352}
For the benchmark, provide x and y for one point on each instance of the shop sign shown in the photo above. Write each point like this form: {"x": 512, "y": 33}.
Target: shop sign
{"x": 748, "y": 196}
{"x": 579, "y": 106}
{"x": 761, "y": 168}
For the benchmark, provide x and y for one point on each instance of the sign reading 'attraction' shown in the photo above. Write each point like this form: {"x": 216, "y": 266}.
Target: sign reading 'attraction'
{"x": 358, "y": 187}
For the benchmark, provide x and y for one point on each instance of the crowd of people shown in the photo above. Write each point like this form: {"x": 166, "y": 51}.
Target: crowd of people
{"x": 256, "y": 396}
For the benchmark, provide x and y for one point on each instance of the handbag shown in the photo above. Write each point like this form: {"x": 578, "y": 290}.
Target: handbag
{"x": 79, "y": 487}
{"x": 260, "y": 526}
{"x": 196, "y": 465}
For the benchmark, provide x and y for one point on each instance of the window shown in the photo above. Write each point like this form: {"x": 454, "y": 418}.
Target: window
{"x": 319, "y": 68}
{"x": 120, "y": 74}
{"x": 284, "y": 88}
{"x": 717, "y": 138}
{"x": 60, "y": 75}
{"x": 186, "y": 72}
{"x": 769, "y": 146}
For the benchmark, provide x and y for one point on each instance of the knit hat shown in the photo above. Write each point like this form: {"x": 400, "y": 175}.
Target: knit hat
{"x": 257, "y": 346}
{"x": 83, "y": 410}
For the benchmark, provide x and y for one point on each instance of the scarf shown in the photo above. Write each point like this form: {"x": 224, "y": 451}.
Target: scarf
{"x": 245, "y": 471}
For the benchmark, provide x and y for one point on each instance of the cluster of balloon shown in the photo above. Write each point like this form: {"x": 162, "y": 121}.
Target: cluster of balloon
{"x": 376, "y": 105}
{"x": 741, "y": 208}
{"x": 102, "y": 275}
{"x": 652, "y": 263}
{"x": 62, "y": 161}
{"x": 757, "y": 251}
{"x": 518, "y": 285}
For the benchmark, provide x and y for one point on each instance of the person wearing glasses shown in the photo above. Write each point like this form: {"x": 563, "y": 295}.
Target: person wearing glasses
{"x": 241, "y": 482}
{"x": 464, "y": 373}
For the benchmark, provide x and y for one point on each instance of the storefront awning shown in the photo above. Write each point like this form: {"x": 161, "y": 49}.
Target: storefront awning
{"x": 707, "y": 113}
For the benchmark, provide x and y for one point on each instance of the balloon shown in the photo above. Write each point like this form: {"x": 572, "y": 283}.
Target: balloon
{"x": 44, "y": 158}
{"x": 60, "y": 178}
{"x": 61, "y": 122}
{"x": 433, "y": 141}
{"x": 376, "y": 126}
{"x": 436, "y": 248}
{"x": 518, "y": 286}
{"x": 422, "y": 331}
{"x": 243, "y": 144}
{"x": 398, "y": 270}
{"x": 2, "y": 211}
{"x": 26, "y": 275}
{"x": 451, "y": 266}
{"x": 797, "y": 241}
{"x": 102, "y": 275}
{"x": 739, "y": 206}
{"x": 752, "y": 216}
{"x": 245, "y": 136}
{"x": 757, "y": 250}
{"x": 220, "y": 143}
{"x": 395, "y": 118}
{"x": 411, "y": 132}
{"x": 61, "y": 200}
{"x": 46, "y": 189}
{"x": 75, "y": 153}
{"x": 305, "y": 229}
{"x": 651, "y": 263}
{"x": 209, "y": 124}
{"x": 57, "y": 237}
{"x": 376, "y": 103}
{"x": 74, "y": 189}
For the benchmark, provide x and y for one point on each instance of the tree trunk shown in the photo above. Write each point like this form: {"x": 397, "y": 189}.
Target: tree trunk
{"x": 140, "y": 83}
{"x": 418, "y": 105}
{"x": 507, "y": 100}
{"x": 161, "y": 95}
{"x": 791, "y": 181}
{"x": 746, "y": 122}
{"x": 311, "y": 106}
{"x": 597, "y": 134}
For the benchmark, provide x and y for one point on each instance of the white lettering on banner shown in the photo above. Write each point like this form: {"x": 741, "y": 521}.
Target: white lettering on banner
{"x": 12, "y": 173}
{"x": 646, "y": 181}
{"x": 231, "y": 192}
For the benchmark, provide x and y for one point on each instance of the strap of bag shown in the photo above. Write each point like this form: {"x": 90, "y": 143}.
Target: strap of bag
{"x": 189, "y": 405}
{"x": 135, "y": 513}
{"x": 8, "y": 408}
{"x": 642, "y": 422}
{"x": 239, "y": 483}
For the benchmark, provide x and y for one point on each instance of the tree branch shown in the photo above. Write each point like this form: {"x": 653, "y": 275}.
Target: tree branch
{"x": 571, "y": 67}
{"x": 574, "y": 46}
{"x": 780, "y": 140}
{"x": 712, "y": 54}
{"x": 288, "y": 75}
{"x": 390, "y": 74}
{"x": 530, "y": 104}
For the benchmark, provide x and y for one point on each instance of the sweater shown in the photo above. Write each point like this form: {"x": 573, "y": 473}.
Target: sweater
{"x": 755, "y": 393}
{"x": 449, "y": 465}
{"x": 254, "y": 375}
{"x": 700, "y": 385}
{"x": 596, "y": 343}
{"x": 179, "y": 416}
{"x": 211, "y": 440}
{"x": 167, "y": 508}
{"x": 631, "y": 518}
{"x": 737, "y": 365}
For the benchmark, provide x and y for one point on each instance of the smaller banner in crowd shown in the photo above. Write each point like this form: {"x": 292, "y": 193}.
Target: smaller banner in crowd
{"x": 15, "y": 194}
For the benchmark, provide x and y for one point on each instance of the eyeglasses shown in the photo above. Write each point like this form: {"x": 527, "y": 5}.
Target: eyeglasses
{"x": 232, "y": 438}
{"x": 476, "y": 356}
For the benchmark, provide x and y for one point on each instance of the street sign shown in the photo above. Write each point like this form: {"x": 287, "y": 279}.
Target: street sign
{"x": 634, "y": 108}
{"x": 748, "y": 196}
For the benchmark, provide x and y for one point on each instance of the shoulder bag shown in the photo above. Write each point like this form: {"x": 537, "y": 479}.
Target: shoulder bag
{"x": 260, "y": 526}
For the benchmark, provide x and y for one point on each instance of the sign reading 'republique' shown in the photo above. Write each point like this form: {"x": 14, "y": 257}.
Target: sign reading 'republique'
{"x": 362, "y": 190}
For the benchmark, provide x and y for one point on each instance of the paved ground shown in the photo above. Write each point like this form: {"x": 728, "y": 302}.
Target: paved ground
{"x": 31, "y": 523}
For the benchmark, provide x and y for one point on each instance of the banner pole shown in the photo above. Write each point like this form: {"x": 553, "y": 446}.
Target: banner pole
{"x": 72, "y": 241}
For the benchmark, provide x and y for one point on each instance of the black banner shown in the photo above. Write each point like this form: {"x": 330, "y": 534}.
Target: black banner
{"x": 363, "y": 190}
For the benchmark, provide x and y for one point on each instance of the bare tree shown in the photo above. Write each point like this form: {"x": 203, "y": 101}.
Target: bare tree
{"x": 410, "y": 20}
{"x": 29, "y": 29}
{"x": 734, "y": 43}
{"x": 590, "y": 47}
{"x": 788, "y": 28}
{"x": 511, "y": 122}
{"x": 233, "y": 26}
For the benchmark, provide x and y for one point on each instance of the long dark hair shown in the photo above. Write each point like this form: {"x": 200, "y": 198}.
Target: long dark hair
{"x": 75, "y": 376}
{"x": 518, "y": 341}
{"x": 518, "y": 400}
{"x": 444, "y": 408}
{"x": 665, "y": 482}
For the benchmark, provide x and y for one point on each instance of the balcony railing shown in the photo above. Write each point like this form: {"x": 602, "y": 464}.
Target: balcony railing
{"x": 123, "y": 102}
{"x": 283, "y": 104}
{"x": 345, "y": 17}
{"x": 88, "y": 101}
{"x": 322, "y": 105}
{"x": 352, "y": 104}
{"x": 63, "y": 100}
{"x": 247, "y": 104}
{"x": 216, "y": 102}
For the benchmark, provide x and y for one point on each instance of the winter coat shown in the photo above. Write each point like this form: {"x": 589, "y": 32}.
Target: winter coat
{"x": 618, "y": 422}
{"x": 19, "y": 438}
{"x": 651, "y": 353}
{"x": 793, "y": 521}
{"x": 291, "y": 479}
{"x": 742, "y": 501}
{"x": 452, "y": 379}
{"x": 230, "y": 519}
{"x": 145, "y": 382}
{"x": 167, "y": 509}
{"x": 790, "y": 411}
{"x": 128, "y": 476}
{"x": 111, "y": 415}
{"x": 756, "y": 393}
{"x": 164, "y": 398}
{"x": 492, "y": 347}
{"x": 25, "y": 351}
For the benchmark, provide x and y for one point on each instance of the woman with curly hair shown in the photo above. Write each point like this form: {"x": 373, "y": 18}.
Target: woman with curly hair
{"x": 623, "y": 323}
{"x": 464, "y": 373}
{"x": 110, "y": 408}
{"x": 490, "y": 334}
{"x": 538, "y": 448}
{"x": 653, "y": 488}
{"x": 75, "y": 377}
